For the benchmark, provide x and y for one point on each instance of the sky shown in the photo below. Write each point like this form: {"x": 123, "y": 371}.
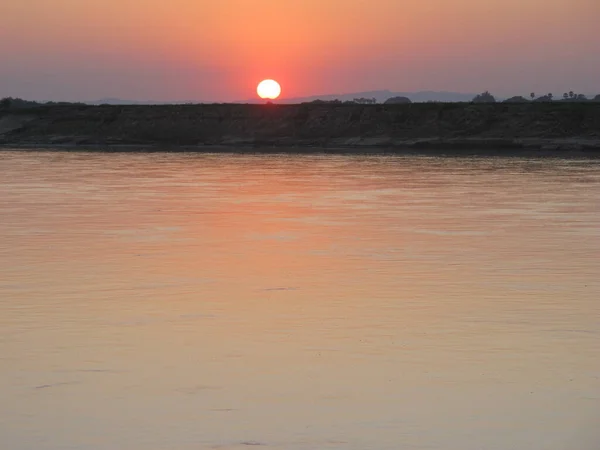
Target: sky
{"x": 218, "y": 50}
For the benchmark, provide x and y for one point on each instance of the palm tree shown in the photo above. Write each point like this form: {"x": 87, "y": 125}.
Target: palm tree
{"x": 566, "y": 96}
{"x": 571, "y": 94}
{"x": 532, "y": 95}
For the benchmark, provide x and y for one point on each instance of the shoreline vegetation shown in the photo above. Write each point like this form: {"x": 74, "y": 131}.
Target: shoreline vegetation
{"x": 569, "y": 126}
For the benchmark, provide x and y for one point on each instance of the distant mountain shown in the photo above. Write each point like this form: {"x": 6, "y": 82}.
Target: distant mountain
{"x": 119, "y": 101}
{"x": 380, "y": 96}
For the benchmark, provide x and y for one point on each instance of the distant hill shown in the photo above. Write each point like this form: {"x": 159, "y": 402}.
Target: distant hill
{"x": 120, "y": 101}
{"x": 380, "y": 96}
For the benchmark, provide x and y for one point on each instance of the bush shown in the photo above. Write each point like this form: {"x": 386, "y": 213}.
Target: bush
{"x": 516, "y": 99}
{"x": 544, "y": 99}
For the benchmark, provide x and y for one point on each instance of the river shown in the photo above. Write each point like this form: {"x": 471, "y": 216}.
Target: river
{"x": 202, "y": 301}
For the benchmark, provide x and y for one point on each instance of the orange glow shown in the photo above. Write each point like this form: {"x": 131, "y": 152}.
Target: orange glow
{"x": 268, "y": 89}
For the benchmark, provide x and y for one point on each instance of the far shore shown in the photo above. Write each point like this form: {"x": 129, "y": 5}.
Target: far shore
{"x": 428, "y": 129}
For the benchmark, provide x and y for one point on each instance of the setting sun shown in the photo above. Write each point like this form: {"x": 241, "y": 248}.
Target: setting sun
{"x": 268, "y": 89}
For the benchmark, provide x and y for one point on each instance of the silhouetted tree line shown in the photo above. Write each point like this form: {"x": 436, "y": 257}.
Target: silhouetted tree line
{"x": 365, "y": 101}
{"x": 19, "y": 103}
{"x": 570, "y": 96}
{"x": 484, "y": 97}
{"x": 8, "y": 103}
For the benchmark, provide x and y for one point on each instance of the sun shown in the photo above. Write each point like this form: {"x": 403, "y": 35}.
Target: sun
{"x": 268, "y": 89}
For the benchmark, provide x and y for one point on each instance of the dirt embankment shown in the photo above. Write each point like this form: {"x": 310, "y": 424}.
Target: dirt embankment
{"x": 551, "y": 126}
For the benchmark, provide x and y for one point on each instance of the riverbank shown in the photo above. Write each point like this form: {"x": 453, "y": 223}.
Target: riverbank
{"x": 427, "y": 127}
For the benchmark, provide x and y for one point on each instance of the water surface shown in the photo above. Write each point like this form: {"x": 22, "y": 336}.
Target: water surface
{"x": 184, "y": 301}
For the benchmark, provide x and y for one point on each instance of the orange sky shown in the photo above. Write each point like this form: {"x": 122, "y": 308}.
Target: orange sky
{"x": 218, "y": 50}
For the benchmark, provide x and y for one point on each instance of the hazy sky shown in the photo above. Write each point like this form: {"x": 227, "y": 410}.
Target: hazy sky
{"x": 219, "y": 49}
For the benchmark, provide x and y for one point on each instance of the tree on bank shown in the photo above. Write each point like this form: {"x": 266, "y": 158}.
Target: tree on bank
{"x": 573, "y": 97}
{"x": 17, "y": 103}
{"x": 485, "y": 97}
{"x": 5, "y": 103}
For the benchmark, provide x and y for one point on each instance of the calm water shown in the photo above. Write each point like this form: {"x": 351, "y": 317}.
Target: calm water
{"x": 184, "y": 302}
